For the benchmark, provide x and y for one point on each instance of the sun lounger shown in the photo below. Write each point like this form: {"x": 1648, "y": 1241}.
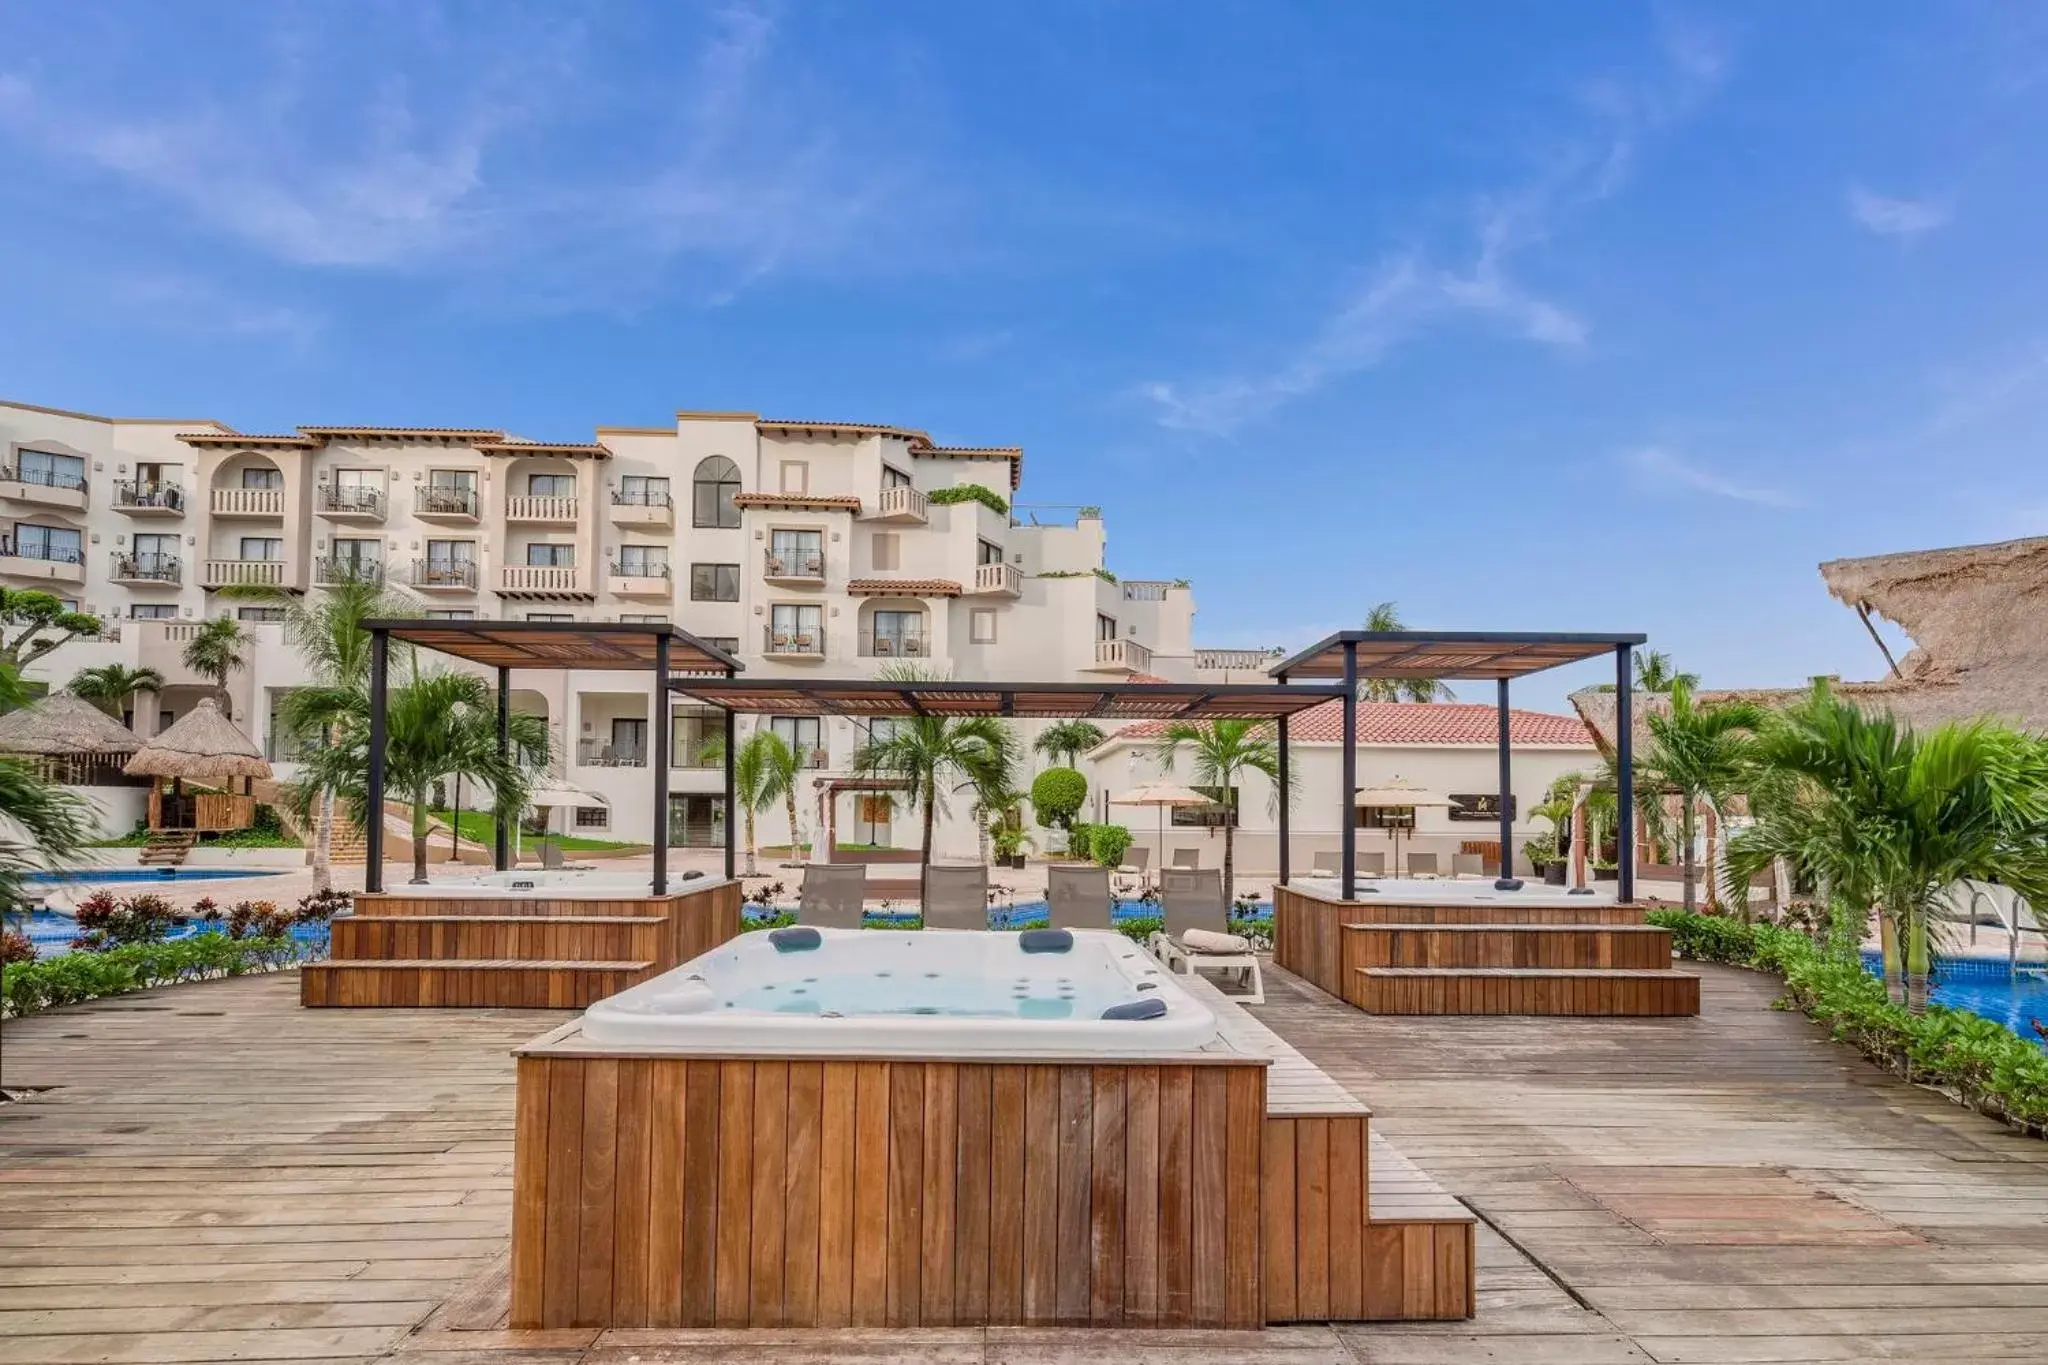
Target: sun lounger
{"x": 1187, "y": 859}
{"x": 1136, "y": 860}
{"x": 833, "y": 895}
{"x": 1077, "y": 896}
{"x": 1372, "y": 864}
{"x": 1422, "y": 864}
{"x": 1195, "y": 908}
{"x": 956, "y": 897}
{"x": 1328, "y": 864}
{"x": 1468, "y": 865}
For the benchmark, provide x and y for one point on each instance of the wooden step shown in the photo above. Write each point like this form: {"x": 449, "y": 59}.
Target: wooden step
{"x": 1637, "y": 947}
{"x": 476, "y": 983}
{"x": 1510, "y": 990}
{"x": 559, "y": 938}
{"x": 1366, "y": 912}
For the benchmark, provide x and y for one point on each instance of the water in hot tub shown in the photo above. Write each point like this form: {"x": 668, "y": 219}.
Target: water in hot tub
{"x": 1018, "y": 986}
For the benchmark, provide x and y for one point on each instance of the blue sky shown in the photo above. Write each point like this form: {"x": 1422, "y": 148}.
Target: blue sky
{"x": 1600, "y": 316}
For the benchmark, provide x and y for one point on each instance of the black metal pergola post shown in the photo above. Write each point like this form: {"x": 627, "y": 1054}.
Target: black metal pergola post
{"x": 732, "y": 820}
{"x": 1284, "y": 793}
{"x": 373, "y": 835}
{"x": 1624, "y": 775}
{"x": 663, "y": 710}
{"x": 1347, "y": 817}
{"x": 501, "y": 839}
{"x": 1507, "y": 881}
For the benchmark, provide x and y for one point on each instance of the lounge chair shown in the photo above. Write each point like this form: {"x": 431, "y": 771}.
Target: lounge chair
{"x": 1187, "y": 859}
{"x": 1330, "y": 864}
{"x": 1372, "y": 864}
{"x": 1077, "y": 896}
{"x": 1194, "y": 901}
{"x": 833, "y": 895}
{"x": 1136, "y": 860}
{"x": 956, "y": 897}
{"x": 1422, "y": 864}
{"x": 1468, "y": 865}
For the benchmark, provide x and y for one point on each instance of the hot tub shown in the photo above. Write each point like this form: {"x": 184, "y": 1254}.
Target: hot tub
{"x": 920, "y": 993}
{"x": 1457, "y": 891}
{"x": 553, "y": 885}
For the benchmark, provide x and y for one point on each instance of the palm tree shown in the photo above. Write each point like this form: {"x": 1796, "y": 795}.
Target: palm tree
{"x": 42, "y": 825}
{"x": 112, "y": 687}
{"x": 1223, "y": 752}
{"x": 933, "y": 754}
{"x": 1696, "y": 753}
{"x": 1654, "y": 674}
{"x": 437, "y": 726}
{"x": 215, "y": 652}
{"x": 761, "y": 755}
{"x": 783, "y": 769}
{"x": 1888, "y": 819}
{"x": 1387, "y": 617}
{"x": 1067, "y": 740}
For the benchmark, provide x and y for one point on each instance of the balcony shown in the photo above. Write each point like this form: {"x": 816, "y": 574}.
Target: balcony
{"x": 438, "y": 502}
{"x": 640, "y": 580}
{"x": 1148, "y": 589}
{"x": 800, "y": 567}
{"x": 443, "y": 575}
{"x": 996, "y": 580}
{"x": 247, "y": 502}
{"x": 541, "y": 510}
{"x": 153, "y": 500}
{"x": 349, "y": 503}
{"x": 653, "y": 510}
{"x": 807, "y": 642}
{"x": 42, "y": 488}
{"x": 1121, "y": 656}
{"x": 902, "y": 503}
{"x": 330, "y": 573}
{"x": 147, "y": 571}
{"x": 241, "y": 573}
{"x": 40, "y": 564}
{"x": 541, "y": 580}
{"x": 1234, "y": 660}
{"x": 892, "y": 645}
{"x": 591, "y": 753}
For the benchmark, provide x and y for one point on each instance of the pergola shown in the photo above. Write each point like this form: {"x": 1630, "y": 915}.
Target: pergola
{"x": 1354, "y": 656}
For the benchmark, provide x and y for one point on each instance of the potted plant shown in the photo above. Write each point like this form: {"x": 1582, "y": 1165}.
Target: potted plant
{"x": 1606, "y": 870}
{"x": 1009, "y": 843}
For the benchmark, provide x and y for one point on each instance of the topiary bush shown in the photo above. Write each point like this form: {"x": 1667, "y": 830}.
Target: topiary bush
{"x": 1107, "y": 844}
{"x": 1057, "y": 795}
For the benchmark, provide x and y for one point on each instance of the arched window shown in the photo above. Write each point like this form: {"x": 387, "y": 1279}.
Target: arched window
{"x": 716, "y": 481}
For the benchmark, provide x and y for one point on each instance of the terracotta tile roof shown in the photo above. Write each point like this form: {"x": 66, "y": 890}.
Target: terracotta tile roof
{"x": 1148, "y": 678}
{"x": 594, "y": 449}
{"x": 406, "y": 433}
{"x": 238, "y": 438}
{"x": 1397, "y": 723}
{"x": 798, "y": 423}
{"x": 801, "y": 501}
{"x": 903, "y": 587}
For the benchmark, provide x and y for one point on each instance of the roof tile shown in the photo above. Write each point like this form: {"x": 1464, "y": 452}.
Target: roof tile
{"x": 1398, "y": 723}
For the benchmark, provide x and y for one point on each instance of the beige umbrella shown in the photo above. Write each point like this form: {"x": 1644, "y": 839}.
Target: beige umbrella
{"x": 203, "y": 744}
{"x": 555, "y": 795}
{"x": 1399, "y": 795}
{"x": 1162, "y": 795}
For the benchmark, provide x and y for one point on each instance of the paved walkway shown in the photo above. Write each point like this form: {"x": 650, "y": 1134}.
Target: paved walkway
{"x": 218, "y": 1175}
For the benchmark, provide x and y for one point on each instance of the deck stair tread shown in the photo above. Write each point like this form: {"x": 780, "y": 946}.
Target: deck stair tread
{"x": 1599, "y": 973}
{"x": 500, "y": 964}
{"x": 1295, "y": 1086}
{"x": 1397, "y": 1190}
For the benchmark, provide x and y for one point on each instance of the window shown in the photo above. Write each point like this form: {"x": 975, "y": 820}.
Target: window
{"x": 1221, "y": 810}
{"x": 451, "y": 552}
{"x": 61, "y": 543}
{"x": 154, "y": 475}
{"x": 885, "y": 550}
{"x": 1105, "y": 627}
{"x": 803, "y": 734}
{"x": 729, "y": 643}
{"x": 550, "y": 616}
{"x": 1480, "y": 806}
{"x": 550, "y": 485}
{"x": 796, "y": 476}
{"x": 886, "y": 728}
{"x": 551, "y": 556}
{"x": 462, "y": 479}
{"x": 356, "y": 490}
{"x": 259, "y": 613}
{"x": 50, "y": 469}
{"x": 981, "y": 626}
{"x": 593, "y": 817}
{"x": 153, "y": 611}
{"x": 987, "y": 553}
{"x": 452, "y": 614}
{"x": 793, "y": 628}
{"x": 898, "y": 634}
{"x": 262, "y": 476}
{"x": 448, "y": 491}
{"x": 639, "y": 490}
{"x": 155, "y": 553}
{"x": 893, "y": 477}
{"x": 629, "y": 740}
{"x": 360, "y": 557}
{"x": 637, "y": 618}
{"x": 796, "y": 554}
{"x": 1386, "y": 817}
{"x": 643, "y": 561}
{"x": 711, "y": 493}
{"x": 262, "y": 547}
{"x": 714, "y": 582}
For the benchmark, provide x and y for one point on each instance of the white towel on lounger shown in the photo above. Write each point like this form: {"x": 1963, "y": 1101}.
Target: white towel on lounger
{"x": 1209, "y": 941}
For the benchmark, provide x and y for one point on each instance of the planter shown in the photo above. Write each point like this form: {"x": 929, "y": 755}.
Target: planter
{"x": 1606, "y": 874}
{"x": 1554, "y": 874}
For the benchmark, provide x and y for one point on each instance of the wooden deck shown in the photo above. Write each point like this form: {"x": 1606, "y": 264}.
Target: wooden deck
{"x": 220, "y": 1175}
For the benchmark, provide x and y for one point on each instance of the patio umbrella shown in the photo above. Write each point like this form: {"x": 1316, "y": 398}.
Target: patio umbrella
{"x": 1162, "y": 795}
{"x": 556, "y": 794}
{"x": 1399, "y": 795}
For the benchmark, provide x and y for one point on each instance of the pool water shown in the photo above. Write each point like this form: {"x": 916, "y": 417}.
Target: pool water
{"x": 1984, "y": 987}
{"x": 51, "y": 931}
{"x": 92, "y": 875}
{"x": 880, "y": 992}
{"x": 1022, "y": 915}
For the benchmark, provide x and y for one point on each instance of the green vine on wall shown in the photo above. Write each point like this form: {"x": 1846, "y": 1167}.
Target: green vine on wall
{"x": 970, "y": 492}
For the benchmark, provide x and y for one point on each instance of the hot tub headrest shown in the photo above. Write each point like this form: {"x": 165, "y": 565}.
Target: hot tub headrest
{"x": 801, "y": 938}
{"x": 1154, "y": 1008}
{"x": 1045, "y": 940}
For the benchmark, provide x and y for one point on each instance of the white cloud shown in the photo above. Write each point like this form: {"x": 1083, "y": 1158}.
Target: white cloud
{"x": 1889, "y": 217}
{"x": 1659, "y": 471}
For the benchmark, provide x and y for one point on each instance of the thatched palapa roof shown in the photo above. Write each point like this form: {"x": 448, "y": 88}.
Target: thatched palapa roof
{"x": 202, "y": 744}
{"x": 62, "y": 725}
{"x": 1978, "y": 617}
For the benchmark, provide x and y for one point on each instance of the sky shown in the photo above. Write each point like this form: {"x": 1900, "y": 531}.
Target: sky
{"x": 1600, "y": 317}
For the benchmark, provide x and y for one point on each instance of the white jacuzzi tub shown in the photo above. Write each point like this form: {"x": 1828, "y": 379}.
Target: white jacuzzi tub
{"x": 1455, "y": 891}
{"x": 554, "y": 885}
{"x": 916, "y": 993}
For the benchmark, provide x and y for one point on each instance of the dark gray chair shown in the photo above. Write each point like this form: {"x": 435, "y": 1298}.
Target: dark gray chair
{"x": 833, "y": 895}
{"x": 1077, "y": 896}
{"x": 956, "y": 897}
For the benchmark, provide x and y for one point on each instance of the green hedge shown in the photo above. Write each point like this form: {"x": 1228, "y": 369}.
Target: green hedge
{"x": 970, "y": 492}
{"x": 26, "y": 987}
{"x": 1986, "y": 1064}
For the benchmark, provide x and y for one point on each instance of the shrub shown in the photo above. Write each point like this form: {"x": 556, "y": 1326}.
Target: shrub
{"x": 970, "y": 492}
{"x": 15, "y": 947}
{"x": 104, "y": 922}
{"x": 320, "y": 907}
{"x": 26, "y": 987}
{"x": 1058, "y": 794}
{"x": 1107, "y": 844}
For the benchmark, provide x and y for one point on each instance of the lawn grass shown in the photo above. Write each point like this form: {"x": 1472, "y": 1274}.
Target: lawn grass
{"x": 479, "y": 829}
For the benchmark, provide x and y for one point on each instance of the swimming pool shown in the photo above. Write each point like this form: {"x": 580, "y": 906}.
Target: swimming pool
{"x": 51, "y": 931}
{"x": 1984, "y": 986}
{"x": 72, "y": 876}
{"x": 802, "y": 992}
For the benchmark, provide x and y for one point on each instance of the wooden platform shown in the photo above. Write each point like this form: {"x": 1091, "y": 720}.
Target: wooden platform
{"x": 1508, "y": 990}
{"x": 412, "y": 983}
{"x": 1609, "y": 947}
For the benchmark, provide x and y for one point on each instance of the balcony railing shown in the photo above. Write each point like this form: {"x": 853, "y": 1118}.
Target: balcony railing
{"x": 43, "y": 478}
{"x": 640, "y": 499}
{"x": 444, "y": 575}
{"x": 350, "y": 500}
{"x": 438, "y": 500}
{"x": 1147, "y": 589}
{"x": 550, "y": 578}
{"x": 592, "y": 753}
{"x": 642, "y": 569}
{"x": 330, "y": 571}
{"x": 807, "y": 642}
{"x": 53, "y": 555}
{"x": 801, "y": 565}
{"x": 998, "y": 578}
{"x": 1128, "y": 655}
{"x": 242, "y": 573}
{"x": 526, "y": 507}
{"x": 166, "y": 499}
{"x": 889, "y": 645}
{"x": 248, "y": 502}
{"x": 901, "y": 502}
{"x": 151, "y": 568}
{"x": 1233, "y": 660}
